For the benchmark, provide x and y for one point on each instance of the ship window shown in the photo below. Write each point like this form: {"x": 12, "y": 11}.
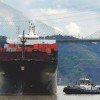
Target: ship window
{"x": 85, "y": 82}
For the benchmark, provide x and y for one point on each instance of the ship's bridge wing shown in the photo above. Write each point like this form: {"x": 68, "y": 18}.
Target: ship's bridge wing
{"x": 29, "y": 36}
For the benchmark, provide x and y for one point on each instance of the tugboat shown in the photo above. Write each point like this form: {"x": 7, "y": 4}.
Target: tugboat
{"x": 83, "y": 86}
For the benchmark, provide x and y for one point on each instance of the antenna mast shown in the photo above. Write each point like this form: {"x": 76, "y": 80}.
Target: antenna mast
{"x": 23, "y": 40}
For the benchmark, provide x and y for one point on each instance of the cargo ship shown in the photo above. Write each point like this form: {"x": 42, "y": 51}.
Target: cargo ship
{"x": 28, "y": 65}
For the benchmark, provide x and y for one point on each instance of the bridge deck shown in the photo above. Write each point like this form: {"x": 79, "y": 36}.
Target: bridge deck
{"x": 78, "y": 40}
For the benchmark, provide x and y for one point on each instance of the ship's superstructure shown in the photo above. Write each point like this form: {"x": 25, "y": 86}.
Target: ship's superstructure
{"x": 28, "y": 66}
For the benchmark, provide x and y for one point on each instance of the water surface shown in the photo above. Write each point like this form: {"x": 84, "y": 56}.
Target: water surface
{"x": 59, "y": 96}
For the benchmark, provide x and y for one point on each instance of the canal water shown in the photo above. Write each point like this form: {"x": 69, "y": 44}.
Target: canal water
{"x": 59, "y": 96}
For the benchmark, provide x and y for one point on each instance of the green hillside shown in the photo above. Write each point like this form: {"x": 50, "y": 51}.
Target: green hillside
{"x": 77, "y": 60}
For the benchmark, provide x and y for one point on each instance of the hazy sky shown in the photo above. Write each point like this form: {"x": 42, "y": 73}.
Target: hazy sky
{"x": 74, "y": 17}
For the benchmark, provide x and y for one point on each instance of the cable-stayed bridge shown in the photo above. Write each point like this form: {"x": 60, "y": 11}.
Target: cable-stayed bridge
{"x": 78, "y": 40}
{"x": 94, "y": 37}
{"x": 44, "y": 30}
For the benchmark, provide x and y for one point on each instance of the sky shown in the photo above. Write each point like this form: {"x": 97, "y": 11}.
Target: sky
{"x": 79, "y": 18}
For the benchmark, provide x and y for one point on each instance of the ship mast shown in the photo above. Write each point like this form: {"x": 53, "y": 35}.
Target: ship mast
{"x": 31, "y": 27}
{"x": 23, "y": 40}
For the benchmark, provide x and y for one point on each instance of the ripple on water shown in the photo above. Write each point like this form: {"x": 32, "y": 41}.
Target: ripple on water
{"x": 60, "y": 96}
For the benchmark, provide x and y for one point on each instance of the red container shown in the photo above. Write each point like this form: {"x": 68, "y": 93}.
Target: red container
{"x": 55, "y": 47}
{"x": 36, "y": 46}
{"x": 19, "y": 50}
{"x": 11, "y": 45}
{"x": 28, "y": 49}
{"x": 2, "y": 50}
